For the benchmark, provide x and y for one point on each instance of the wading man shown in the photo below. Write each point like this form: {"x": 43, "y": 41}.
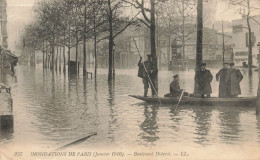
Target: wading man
{"x": 222, "y": 78}
{"x": 145, "y": 71}
{"x": 203, "y": 77}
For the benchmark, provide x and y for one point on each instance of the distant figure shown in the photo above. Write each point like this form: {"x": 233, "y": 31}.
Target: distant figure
{"x": 222, "y": 77}
{"x": 233, "y": 81}
{"x": 203, "y": 78}
{"x": 245, "y": 65}
{"x": 175, "y": 89}
{"x": 145, "y": 71}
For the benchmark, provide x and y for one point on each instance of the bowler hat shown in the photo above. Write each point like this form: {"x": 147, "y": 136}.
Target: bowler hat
{"x": 175, "y": 76}
{"x": 203, "y": 64}
{"x": 149, "y": 55}
{"x": 232, "y": 64}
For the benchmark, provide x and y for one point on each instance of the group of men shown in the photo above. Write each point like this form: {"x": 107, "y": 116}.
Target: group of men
{"x": 228, "y": 78}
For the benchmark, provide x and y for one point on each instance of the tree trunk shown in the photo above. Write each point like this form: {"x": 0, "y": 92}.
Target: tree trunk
{"x": 77, "y": 50}
{"x": 153, "y": 43}
{"x": 84, "y": 40}
{"x": 95, "y": 45}
{"x": 56, "y": 60}
{"x": 199, "y": 40}
{"x": 199, "y": 33}
{"x": 60, "y": 61}
{"x": 53, "y": 53}
{"x": 69, "y": 51}
{"x": 64, "y": 60}
{"x": 258, "y": 92}
{"x": 111, "y": 43}
{"x": 249, "y": 38}
{"x": 152, "y": 30}
{"x": 68, "y": 59}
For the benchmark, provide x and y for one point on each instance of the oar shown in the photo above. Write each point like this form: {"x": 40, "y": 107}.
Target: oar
{"x": 151, "y": 83}
{"x": 179, "y": 99}
{"x": 77, "y": 141}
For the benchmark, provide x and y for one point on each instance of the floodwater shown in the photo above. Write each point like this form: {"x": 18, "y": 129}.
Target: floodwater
{"x": 51, "y": 110}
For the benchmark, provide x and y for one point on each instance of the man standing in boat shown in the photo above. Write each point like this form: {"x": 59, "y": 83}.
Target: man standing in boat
{"x": 146, "y": 69}
{"x": 234, "y": 78}
{"x": 203, "y": 77}
{"x": 175, "y": 89}
{"x": 222, "y": 78}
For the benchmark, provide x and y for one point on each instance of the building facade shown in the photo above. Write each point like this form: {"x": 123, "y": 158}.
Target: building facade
{"x": 240, "y": 39}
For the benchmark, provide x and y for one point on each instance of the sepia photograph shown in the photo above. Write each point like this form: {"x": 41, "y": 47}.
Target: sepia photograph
{"x": 129, "y": 79}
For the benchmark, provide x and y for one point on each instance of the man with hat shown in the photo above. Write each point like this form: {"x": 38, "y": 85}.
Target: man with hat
{"x": 203, "y": 78}
{"x": 175, "y": 89}
{"x": 222, "y": 78}
{"x": 234, "y": 78}
{"x": 145, "y": 71}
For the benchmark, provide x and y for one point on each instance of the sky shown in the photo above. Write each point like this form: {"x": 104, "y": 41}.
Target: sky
{"x": 20, "y": 13}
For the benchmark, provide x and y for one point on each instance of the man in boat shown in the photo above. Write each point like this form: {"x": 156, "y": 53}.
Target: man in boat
{"x": 175, "y": 89}
{"x": 145, "y": 71}
{"x": 203, "y": 78}
{"x": 222, "y": 77}
{"x": 234, "y": 78}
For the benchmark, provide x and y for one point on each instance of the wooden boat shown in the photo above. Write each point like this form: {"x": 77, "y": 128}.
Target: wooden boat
{"x": 241, "y": 101}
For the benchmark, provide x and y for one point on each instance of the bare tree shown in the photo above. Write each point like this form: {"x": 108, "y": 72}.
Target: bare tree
{"x": 116, "y": 25}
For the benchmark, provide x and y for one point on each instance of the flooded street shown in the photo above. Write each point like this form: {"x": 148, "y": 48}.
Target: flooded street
{"x": 52, "y": 110}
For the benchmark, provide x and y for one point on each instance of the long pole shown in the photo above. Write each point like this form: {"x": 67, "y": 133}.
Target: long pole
{"x": 179, "y": 99}
{"x": 223, "y": 46}
{"x": 151, "y": 83}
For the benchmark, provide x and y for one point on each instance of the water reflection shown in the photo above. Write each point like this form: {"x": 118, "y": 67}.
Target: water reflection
{"x": 149, "y": 126}
{"x": 230, "y": 123}
{"x": 7, "y": 127}
{"x": 203, "y": 118}
{"x": 113, "y": 122}
{"x": 59, "y": 107}
{"x": 250, "y": 83}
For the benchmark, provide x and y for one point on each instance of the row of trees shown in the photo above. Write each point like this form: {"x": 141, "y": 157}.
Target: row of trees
{"x": 60, "y": 25}
{"x": 70, "y": 23}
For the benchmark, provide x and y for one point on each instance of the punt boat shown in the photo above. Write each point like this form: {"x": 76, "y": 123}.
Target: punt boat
{"x": 240, "y": 101}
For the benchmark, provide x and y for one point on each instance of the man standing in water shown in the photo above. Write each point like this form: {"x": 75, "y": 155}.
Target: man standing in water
{"x": 222, "y": 77}
{"x": 146, "y": 69}
{"x": 203, "y": 77}
{"x": 234, "y": 78}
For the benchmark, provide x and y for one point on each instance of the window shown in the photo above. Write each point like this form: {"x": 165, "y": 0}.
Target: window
{"x": 237, "y": 28}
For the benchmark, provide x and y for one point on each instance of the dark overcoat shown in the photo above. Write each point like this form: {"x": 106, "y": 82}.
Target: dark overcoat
{"x": 235, "y": 78}
{"x": 175, "y": 88}
{"x": 203, "y": 79}
{"x": 144, "y": 71}
{"x": 222, "y": 77}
